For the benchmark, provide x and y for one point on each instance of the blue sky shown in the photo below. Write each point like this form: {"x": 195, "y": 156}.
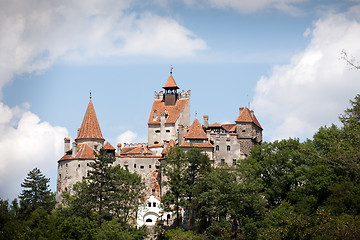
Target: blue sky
{"x": 281, "y": 56}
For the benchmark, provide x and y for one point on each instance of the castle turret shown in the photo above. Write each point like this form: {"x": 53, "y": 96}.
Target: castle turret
{"x": 248, "y": 129}
{"x": 90, "y": 131}
{"x": 171, "y": 88}
{"x": 170, "y": 114}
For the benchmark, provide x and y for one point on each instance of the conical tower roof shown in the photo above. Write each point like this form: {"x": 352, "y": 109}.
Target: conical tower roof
{"x": 170, "y": 83}
{"x": 90, "y": 128}
{"x": 196, "y": 131}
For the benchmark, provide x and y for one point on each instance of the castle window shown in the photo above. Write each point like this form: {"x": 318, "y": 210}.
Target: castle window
{"x": 243, "y": 130}
{"x": 157, "y": 167}
{"x": 149, "y": 204}
{"x": 87, "y": 174}
{"x": 141, "y": 167}
{"x": 134, "y": 165}
{"x": 149, "y": 166}
{"x": 59, "y": 175}
{"x": 154, "y": 204}
{"x": 156, "y": 142}
{"x": 217, "y": 147}
{"x": 157, "y": 131}
{"x": 148, "y": 220}
{"x": 78, "y": 165}
{"x": 167, "y": 130}
{"x": 66, "y": 165}
{"x": 228, "y": 147}
{"x": 234, "y": 161}
{"x": 222, "y": 161}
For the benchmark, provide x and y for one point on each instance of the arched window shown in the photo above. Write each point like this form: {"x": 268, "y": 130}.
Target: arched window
{"x": 228, "y": 147}
{"x": 217, "y": 147}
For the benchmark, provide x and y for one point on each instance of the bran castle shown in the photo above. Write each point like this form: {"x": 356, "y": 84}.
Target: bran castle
{"x": 168, "y": 126}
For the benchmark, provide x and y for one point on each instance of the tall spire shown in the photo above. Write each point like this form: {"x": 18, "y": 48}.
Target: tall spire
{"x": 90, "y": 128}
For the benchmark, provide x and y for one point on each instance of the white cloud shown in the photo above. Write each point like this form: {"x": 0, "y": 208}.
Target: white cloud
{"x": 36, "y": 33}
{"x": 25, "y": 143}
{"x": 315, "y": 87}
{"x": 289, "y": 6}
{"x": 129, "y": 137}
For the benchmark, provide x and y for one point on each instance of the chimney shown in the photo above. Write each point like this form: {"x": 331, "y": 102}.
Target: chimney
{"x": 66, "y": 144}
{"x": 119, "y": 148}
{"x": 74, "y": 149}
{"x": 240, "y": 110}
{"x": 206, "y": 121}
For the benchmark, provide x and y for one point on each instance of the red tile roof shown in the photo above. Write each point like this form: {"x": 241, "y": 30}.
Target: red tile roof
{"x": 173, "y": 111}
{"x": 135, "y": 150}
{"x": 155, "y": 145}
{"x": 170, "y": 83}
{"x": 216, "y": 124}
{"x": 247, "y": 116}
{"x": 90, "y": 127}
{"x": 108, "y": 146}
{"x": 196, "y": 131}
{"x": 84, "y": 152}
{"x": 197, "y": 145}
{"x": 229, "y": 127}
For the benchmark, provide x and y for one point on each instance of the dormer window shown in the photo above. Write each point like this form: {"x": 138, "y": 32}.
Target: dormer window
{"x": 154, "y": 117}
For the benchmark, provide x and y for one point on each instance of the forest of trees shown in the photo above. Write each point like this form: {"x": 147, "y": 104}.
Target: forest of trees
{"x": 285, "y": 190}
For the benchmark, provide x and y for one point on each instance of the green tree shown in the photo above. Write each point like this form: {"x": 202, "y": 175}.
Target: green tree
{"x": 108, "y": 192}
{"x": 283, "y": 167}
{"x": 36, "y": 193}
{"x": 173, "y": 168}
{"x": 198, "y": 165}
{"x": 229, "y": 203}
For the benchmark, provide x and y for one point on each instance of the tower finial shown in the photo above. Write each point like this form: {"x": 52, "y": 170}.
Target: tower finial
{"x": 90, "y": 95}
{"x": 171, "y": 69}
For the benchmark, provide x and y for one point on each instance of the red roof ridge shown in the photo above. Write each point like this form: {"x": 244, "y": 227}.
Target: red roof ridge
{"x": 90, "y": 128}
